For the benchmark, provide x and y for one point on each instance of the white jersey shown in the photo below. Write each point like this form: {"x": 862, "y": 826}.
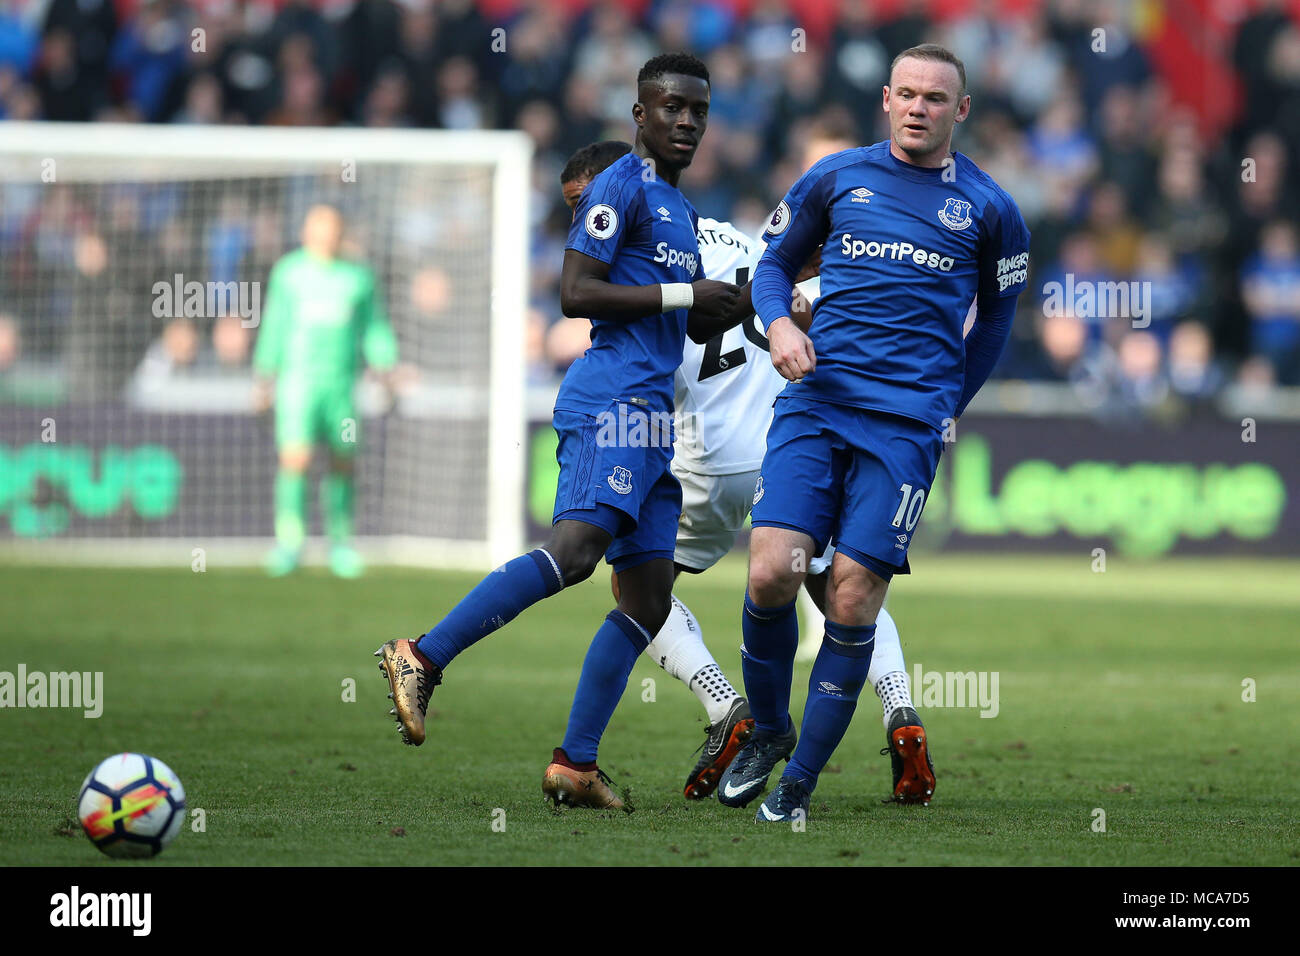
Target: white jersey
{"x": 725, "y": 388}
{"x": 811, "y": 288}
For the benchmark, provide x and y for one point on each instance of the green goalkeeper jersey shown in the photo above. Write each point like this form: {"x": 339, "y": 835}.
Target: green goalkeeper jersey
{"x": 318, "y": 315}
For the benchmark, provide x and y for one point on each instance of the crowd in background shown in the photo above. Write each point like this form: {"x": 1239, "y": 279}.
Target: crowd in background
{"x": 1117, "y": 181}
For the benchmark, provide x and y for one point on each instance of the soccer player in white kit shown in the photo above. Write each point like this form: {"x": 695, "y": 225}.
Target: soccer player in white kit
{"x": 724, "y": 390}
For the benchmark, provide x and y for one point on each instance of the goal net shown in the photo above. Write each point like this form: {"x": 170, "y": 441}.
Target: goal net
{"x": 133, "y": 267}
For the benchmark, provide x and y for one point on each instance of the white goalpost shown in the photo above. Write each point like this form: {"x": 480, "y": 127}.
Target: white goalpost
{"x": 133, "y": 263}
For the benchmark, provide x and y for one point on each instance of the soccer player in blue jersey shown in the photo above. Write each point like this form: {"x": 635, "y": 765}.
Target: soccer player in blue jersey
{"x": 725, "y": 390}
{"x": 631, "y": 265}
{"x": 911, "y": 234}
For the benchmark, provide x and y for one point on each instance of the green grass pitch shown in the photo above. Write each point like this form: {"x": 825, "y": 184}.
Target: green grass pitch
{"x": 1119, "y": 691}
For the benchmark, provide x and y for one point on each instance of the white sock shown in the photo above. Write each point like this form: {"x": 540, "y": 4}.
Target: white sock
{"x": 888, "y": 672}
{"x": 893, "y": 693}
{"x": 679, "y": 649}
{"x": 714, "y": 691}
{"x": 812, "y": 625}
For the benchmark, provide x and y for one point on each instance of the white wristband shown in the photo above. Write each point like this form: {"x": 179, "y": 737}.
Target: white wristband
{"x": 676, "y": 295}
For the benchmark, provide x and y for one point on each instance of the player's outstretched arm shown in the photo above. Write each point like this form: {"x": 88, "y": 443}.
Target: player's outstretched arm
{"x": 585, "y": 290}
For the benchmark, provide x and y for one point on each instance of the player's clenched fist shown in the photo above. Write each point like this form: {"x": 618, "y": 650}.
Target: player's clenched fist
{"x": 714, "y": 299}
{"x": 792, "y": 351}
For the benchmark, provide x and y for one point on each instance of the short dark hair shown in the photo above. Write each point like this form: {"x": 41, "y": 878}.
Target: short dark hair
{"x": 932, "y": 51}
{"x": 593, "y": 159}
{"x": 666, "y": 64}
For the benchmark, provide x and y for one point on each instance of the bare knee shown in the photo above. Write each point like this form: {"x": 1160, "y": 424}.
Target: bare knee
{"x": 577, "y": 560}
{"x": 645, "y": 593}
{"x": 577, "y": 548}
{"x": 854, "y": 595}
{"x": 650, "y": 610}
{"x": 773, "y": 578}
{"x": 772, "y": 587}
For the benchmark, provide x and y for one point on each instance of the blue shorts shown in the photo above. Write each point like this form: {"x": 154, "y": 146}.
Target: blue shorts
{"x": 616, "y": 476}
{"x": 847, "y": 474}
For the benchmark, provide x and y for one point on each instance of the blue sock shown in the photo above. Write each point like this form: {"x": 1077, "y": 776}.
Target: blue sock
{"x": 769, "y": 638}
{"x": 494, "y": 603}
{"x": 837, "y": 678}
{"x": 613, "y": 652}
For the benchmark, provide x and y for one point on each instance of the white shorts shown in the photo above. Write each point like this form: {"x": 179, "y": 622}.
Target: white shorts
{"x": 822, "y": 564}
{"x": 714, "y": 509}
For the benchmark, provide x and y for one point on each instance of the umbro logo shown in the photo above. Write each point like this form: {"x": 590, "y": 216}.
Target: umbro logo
{"x": 664, "y": 214}
{"x": 829, "y": 688}
{"x": 902, "y": 538}
{"x": 862, "y": 194}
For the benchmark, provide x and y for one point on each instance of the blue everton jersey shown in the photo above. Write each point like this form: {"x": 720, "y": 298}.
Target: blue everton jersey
{"x": 907, "y": 249}
{"x": 645, "y": 229}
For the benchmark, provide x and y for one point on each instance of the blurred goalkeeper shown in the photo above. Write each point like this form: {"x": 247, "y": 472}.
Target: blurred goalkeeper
{"x": 320, "y": 311}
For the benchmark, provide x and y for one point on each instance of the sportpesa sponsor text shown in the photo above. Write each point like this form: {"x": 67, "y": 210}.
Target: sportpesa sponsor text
{"x": 676, "y": 257}
{"x": 852, "y": 249}
{"x": 1011, "y": 270}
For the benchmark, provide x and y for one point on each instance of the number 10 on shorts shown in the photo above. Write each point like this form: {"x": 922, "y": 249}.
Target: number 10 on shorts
{"x": 909, "y": 509}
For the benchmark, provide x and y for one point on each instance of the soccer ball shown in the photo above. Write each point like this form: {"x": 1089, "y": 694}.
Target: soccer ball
{"x": 131, "y": 805}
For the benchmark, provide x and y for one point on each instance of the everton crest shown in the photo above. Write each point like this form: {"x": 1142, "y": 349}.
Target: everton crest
{"x": 955, "y": 214}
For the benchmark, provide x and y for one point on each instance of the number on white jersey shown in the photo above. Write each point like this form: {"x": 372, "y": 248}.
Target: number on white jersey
{"x": 714, "y": 362}
{"x": 725, "y": 387}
